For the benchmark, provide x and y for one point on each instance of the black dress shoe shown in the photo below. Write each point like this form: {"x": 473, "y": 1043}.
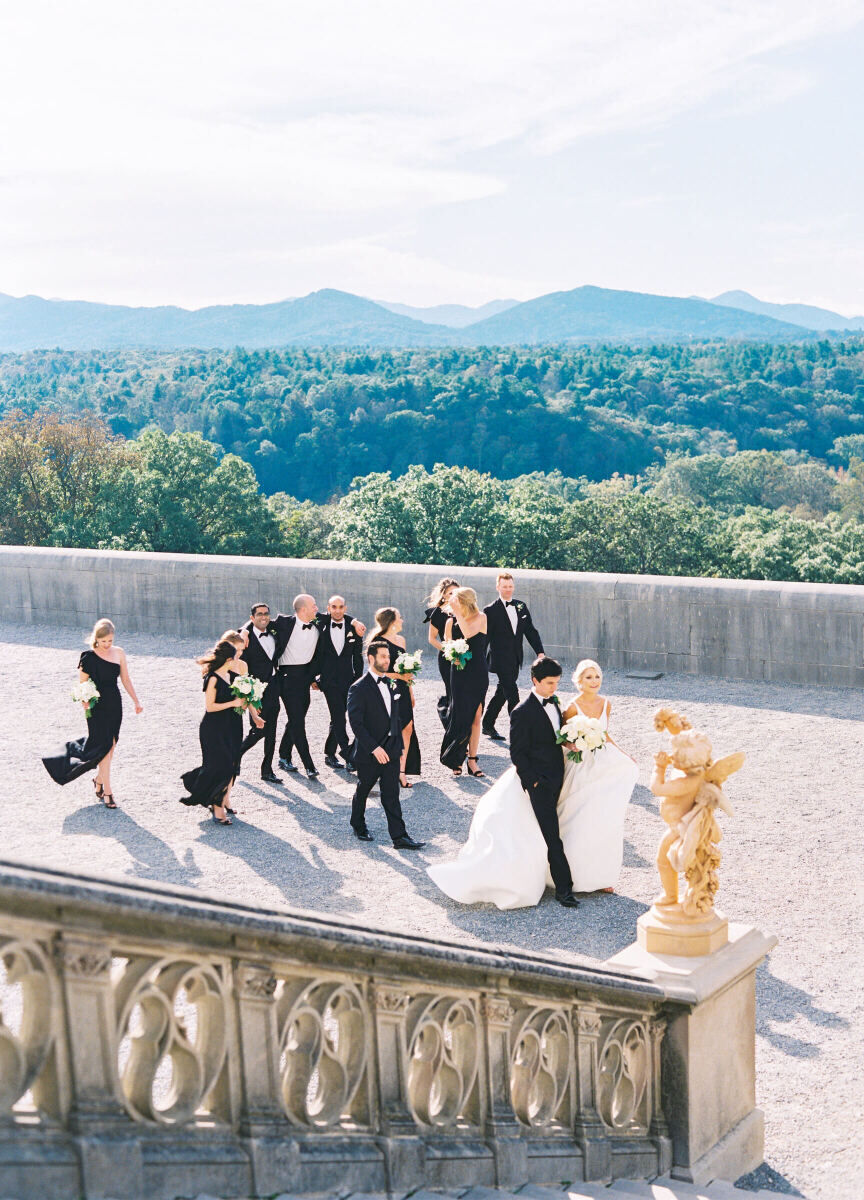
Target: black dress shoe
{"x": 363, "y": 834}
{"x": 493, "y": 734}
{"x": 408, "y": 843}
{"x": 269, "y": 777}
{"x": 285, "y": 764}
{"x": 330, "y": 761}
{"x": 568, "y": 899}
{"x": 312, "y": 772}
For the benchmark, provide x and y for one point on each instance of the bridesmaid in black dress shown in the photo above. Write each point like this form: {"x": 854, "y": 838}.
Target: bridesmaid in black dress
{"x": 467, "y": 687}
{"x": 436, "y": 617}
{"x": 388, "y": 628}
{"x": 221, "y": 730}
{"x": 105, "y": 664}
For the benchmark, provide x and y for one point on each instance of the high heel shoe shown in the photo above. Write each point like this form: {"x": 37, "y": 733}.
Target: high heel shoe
{"x": 220, "y": 820}
{"x": 404, "y": 781}
{"x": 100, "y": 791}
{"x": 108, "y": 800}
{"x": 478, "y": 774}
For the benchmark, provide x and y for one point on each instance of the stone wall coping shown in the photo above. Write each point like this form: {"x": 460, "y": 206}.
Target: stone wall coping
{"x": 86, "y": 904}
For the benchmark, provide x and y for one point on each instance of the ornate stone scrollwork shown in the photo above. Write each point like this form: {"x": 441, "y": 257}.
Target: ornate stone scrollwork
{"x": 443, "y": 1059}
{"x": 171, "y": 1035}
{"x": 323, "y": 1044}
{"x": 624, "y": 1071}
{"x": 541, "y": 1064}
{"x": 27, "y": 997}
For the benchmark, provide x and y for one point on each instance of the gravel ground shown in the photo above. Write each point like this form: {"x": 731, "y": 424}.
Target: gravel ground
{"x": 792, "y": 852}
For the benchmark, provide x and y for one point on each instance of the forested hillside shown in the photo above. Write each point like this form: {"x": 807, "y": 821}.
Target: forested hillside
{"x": 310, "y": 421}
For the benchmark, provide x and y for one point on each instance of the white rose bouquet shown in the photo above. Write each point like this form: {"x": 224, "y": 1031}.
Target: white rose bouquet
{"x": 408, "y": 664}
{"x": 250, "y": 689}
{"x": 457, "y": 652}
{"x": 585, "y": 733}
{"x": 86, "y": 693}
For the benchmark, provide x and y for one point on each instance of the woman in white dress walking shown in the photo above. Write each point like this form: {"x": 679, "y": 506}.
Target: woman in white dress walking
{"x": 504, "y": 861}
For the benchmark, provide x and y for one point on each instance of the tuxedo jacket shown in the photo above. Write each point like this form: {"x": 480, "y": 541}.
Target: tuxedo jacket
{"x": 504, "y": 647}
{"x": 256, "y": 658}
{"x": 284, "y": 627}
{"x": 369, "y": 720}
{"x": 534, "y": 750}
{"x": 333, "y": 669}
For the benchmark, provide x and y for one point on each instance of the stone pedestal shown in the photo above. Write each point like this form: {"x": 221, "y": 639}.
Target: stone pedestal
{"x": 669, "y": 932}
{"x": 708, "y": 1070}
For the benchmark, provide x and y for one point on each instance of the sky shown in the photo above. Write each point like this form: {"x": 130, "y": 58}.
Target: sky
{"x": 196, "y": 153}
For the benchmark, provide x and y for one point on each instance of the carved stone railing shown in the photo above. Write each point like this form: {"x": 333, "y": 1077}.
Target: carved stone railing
{"x": 159, "y": 1044}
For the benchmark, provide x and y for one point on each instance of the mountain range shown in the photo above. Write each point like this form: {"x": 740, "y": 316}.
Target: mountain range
{"x": 335, "y": 318}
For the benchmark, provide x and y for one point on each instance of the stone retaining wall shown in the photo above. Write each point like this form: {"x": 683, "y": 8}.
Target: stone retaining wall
{"x": 800, "y": 633}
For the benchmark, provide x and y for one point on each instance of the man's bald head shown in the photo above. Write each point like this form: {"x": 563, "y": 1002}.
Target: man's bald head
{"x": 336, "y": 607}
{"x": 305, "y": 606}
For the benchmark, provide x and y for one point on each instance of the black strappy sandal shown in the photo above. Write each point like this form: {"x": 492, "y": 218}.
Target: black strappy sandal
{"x": 220, "y": 820}
{"x": 478, "y": 774}
{"x": 100, "y": 791}
{"x": 108, "y": 800}
{"x": 407, "y": 783}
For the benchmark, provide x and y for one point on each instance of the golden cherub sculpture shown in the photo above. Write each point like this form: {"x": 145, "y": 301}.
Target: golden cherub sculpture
{"x": 688, "y": 805}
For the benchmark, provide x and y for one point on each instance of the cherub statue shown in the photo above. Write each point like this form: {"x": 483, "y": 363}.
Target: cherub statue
{"x": 688, "y": 806}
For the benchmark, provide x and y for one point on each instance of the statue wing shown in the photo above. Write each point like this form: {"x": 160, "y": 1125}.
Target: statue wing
{"x": 720, "y": 770}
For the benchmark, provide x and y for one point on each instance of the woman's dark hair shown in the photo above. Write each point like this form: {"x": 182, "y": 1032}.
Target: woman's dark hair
{"x": 436, "y": 596}
{"x": 545, "y": 668}
{"x": 224, "y": 650}
{"x": 384, "y": 618}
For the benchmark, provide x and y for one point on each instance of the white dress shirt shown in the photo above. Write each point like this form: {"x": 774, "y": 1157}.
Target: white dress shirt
{"x": 551, "y": 710}
{"x": 301, "y": 646}
{"x": 384, "y": 689}
{"x": 510, "y": 610}
{"x": 267, "y": 642}
{"x": 337, "y": 637}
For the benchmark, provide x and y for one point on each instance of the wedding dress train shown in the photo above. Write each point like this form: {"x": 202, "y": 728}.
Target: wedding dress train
{"x": 504, "y": 861}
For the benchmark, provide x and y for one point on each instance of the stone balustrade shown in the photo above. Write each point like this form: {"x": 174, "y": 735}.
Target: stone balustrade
{"x": 156, "y": 1044}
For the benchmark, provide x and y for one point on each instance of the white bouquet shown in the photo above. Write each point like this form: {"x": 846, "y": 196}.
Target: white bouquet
{"x": 585, "y": 733}
{"x": 408, "y": 664}
{"x": 250, "y": 689}
{"x": 86, "y": 693}
{"x": 457, "y": 652}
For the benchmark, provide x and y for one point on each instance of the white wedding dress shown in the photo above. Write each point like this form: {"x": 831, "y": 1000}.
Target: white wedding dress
{"x": 504, "y": 861}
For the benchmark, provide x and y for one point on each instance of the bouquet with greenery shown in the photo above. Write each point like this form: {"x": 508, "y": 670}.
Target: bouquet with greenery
{"x": 86, "y": 693}
{"x": 457, "y": 652}
{"x": 585, "y": 733}
{"x": 250, "y": 689}
{"x": 408, "y": 664}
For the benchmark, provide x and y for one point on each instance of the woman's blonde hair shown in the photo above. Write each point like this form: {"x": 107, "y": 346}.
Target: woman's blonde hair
{"x": 467, "y": 600}
{"x": 101, "y": 629}
{"x": 585, "y": 665}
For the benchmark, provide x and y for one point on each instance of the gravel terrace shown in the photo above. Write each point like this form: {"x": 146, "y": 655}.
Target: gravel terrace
{"x": 792, "y": 853}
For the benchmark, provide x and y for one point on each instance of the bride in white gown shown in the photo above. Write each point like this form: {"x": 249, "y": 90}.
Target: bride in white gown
{"x": 504, "y": 861}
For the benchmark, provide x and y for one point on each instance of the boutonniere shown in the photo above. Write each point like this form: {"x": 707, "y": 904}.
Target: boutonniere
{"x": 394, "y": 687}
{"x": 556, "y": 699}
{"x": 271, "y": 629}
{"x": 520, "y": 607}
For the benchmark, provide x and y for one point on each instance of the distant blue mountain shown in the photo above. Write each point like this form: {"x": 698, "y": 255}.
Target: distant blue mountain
{"x": 456, "y": 316}
{"x": 805, "y": 315}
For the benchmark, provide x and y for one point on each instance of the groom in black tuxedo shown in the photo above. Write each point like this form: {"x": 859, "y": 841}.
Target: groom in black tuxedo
{"x": 539, "y": 763}
{"x": 376, "y": 717}
{"x": 339, "y": 663}
{"x": 508, "y": 621}
{"x": 260, "y": 656}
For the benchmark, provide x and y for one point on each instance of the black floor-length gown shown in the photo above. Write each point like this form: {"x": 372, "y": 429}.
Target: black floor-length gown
{"x": 438, "y": 619}
{"x": 412, "y": 759}
{"x": 103, "y": 724}
{"x": 221, "y": 737}
{"x": 467, "y": 693}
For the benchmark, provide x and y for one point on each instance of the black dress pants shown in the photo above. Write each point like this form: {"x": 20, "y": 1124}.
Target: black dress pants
{"x": 270, "y": 714}
{"x": 337, "y": 704}
{"x": 544, "y": 801}
{"x": 294, "y": 684}
{"x": 387, "y": 774}
{"x": 507, "y": 692}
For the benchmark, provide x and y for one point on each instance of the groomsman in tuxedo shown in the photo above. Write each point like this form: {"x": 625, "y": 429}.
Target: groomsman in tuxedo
{"x": 260, "y": 657}
{"x": 539, "y": 763}
{"x": 297, "y": 637}
{"x": 339, "y": 662}
{"x": 508, "y": 622}
{"x": 377, "y": 718}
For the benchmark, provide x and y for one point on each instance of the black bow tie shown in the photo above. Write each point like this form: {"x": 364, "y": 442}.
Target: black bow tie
{"x": 309, "y": 625}
{"x": 335, "y": 624}
{"x": 383, "y": 681}
{"x": 509, "y": 603}
{"x": 550, "y": 700}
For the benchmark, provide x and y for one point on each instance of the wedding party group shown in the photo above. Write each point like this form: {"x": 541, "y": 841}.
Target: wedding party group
{"x": 555, "y": 817}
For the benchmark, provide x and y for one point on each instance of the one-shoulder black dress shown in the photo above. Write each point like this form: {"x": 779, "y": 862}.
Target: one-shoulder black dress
{"x": 221, "y": 737}
{"x": 438, "y": 619}
{"x": 103, "y": 724}
{"x": 467, "y": 693}
{"x": 412, "y": 759}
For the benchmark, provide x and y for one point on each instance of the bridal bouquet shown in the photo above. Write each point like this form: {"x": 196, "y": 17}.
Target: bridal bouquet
{"x": 457, "y": 652}
{"x": 250, "y": 689}
{"x": 86, "y": 693}
{"x": 585, "y": 733}
{"x": 408, "y": 664}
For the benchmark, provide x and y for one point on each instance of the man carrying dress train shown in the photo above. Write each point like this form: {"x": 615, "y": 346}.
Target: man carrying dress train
{"x": 377, "y": 718}
{"x": 539, "y": 763}
{"x": 508, "y": 621}
{"x": 260, "y": 657}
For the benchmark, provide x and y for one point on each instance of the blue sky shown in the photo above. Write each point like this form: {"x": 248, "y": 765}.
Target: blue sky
{"x": 201, "y": 153}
